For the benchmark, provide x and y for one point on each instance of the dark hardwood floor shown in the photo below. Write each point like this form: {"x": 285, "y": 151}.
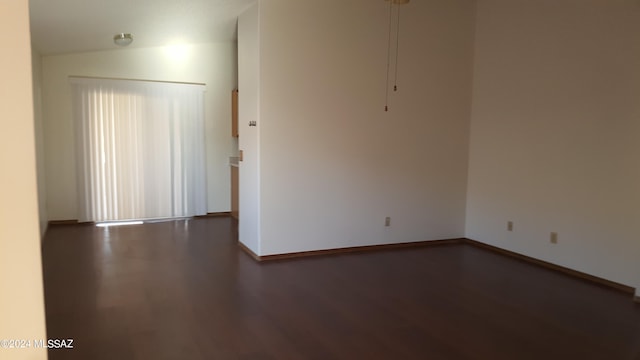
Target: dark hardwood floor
{"x": 184, "y": 290}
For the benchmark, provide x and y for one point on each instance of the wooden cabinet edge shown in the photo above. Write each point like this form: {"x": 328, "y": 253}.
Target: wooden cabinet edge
{"x": 234, "y": 113}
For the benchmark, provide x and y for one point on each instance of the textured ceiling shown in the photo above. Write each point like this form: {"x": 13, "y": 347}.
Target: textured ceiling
{"x": 66, "y": 26}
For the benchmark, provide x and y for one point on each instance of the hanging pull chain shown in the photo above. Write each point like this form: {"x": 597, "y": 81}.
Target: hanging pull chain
{"x": 386, "y": 96}
{"x": 395, "y": 77}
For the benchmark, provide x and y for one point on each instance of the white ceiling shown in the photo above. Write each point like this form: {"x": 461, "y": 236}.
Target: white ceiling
{"x": 66, "y": 26}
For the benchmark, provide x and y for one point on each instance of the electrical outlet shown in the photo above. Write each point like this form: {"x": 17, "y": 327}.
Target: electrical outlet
{"x": 509, "y": 225}
{"x": 387, "y": 221}
{"x": 554, "y": 238}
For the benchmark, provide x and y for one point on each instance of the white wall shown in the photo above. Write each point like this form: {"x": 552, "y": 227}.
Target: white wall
{"x": 213, "y": 64}
{"x": 333, "y": 164}
{"x": 248, "y": 139}
{"x": 36, "y": 70}
{"x": 555, "y": 133}
{"x": 21, "y": 297}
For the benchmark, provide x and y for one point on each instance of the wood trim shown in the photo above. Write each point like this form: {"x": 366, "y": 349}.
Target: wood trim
{"x": 63, "y": 222}
{"x": 234, "y": 113}
{"x": 215, "y": 214}
{"x": 574, "y": 273}
{"x": 248, "y": 251}
{"x": 354, "y": 249}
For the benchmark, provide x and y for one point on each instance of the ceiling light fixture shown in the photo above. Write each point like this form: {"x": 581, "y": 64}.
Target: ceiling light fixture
{"x": 123, "y": 39}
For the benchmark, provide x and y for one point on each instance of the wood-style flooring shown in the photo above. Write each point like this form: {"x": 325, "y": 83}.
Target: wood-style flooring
{"x": 184, "y": 290}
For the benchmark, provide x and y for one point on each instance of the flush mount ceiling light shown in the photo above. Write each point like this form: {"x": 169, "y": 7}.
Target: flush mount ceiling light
{"x": 123, "y": 39}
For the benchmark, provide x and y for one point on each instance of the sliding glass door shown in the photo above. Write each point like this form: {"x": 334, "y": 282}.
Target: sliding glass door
{"x": 140, "y": 149}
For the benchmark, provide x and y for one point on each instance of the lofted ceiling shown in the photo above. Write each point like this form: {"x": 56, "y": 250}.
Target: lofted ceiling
{"x": 67, "y": 26}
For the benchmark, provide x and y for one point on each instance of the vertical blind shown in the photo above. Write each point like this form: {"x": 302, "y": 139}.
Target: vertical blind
{"x": 140, "y": 149}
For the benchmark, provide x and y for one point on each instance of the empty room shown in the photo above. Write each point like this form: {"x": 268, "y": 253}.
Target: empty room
{"x": 287, "y": 179}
